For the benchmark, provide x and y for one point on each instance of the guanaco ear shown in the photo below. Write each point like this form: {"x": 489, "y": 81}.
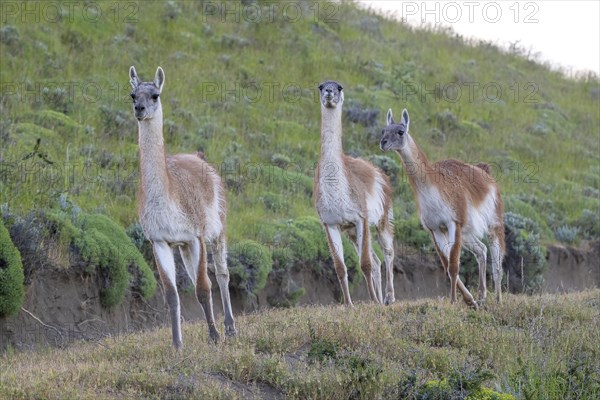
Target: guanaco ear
{"x": 159, "y": 78}
{"x": 390, "y": 118}
{"x": 405, "y": 119}
{"x": 133, "y": 78}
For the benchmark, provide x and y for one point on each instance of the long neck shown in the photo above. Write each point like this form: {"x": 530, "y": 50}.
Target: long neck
{"x": 331, "y": 135}
{"x": 416, "y": 166}
{"x": 153, "y": 165}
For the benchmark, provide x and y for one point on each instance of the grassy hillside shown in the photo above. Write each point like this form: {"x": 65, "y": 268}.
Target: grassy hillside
{"x": 530, "y": 347}
{"x": 241, "y": 87}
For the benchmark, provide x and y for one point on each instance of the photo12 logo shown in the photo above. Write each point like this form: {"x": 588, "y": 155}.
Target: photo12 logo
{"x": 269, "y": 11}
{"x": 57, "y": 11}
{"x": 435, "y": 12}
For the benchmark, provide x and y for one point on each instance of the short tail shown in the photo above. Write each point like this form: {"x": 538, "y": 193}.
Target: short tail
{"x": 484, "y": 166}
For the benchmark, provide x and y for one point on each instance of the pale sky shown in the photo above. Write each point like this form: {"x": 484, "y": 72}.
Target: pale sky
{"x": 565, "y": 33}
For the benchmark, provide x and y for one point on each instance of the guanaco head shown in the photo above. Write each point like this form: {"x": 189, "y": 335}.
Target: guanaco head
{"x": 145, "y": 95}
{"x": 331, "y": 93}
{"x": 394, "y": 135}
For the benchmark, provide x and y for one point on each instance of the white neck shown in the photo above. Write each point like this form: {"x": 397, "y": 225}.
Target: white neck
{"x": 415, "y": 163}
{"x": 153, "y": 166}
{"x": 331, "y": 134}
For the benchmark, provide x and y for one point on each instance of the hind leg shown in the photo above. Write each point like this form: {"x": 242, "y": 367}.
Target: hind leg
{"x": 497, "y": 254}
{"x": 194, "y": 257}
{"x": 363, "y": 238}
{"x": 476, "y": 246}
{"x": 376, "y": 270}
{"x": 449, "y": 253}
{"x": 222, "y": 273}
{"x": 386, "y": 240}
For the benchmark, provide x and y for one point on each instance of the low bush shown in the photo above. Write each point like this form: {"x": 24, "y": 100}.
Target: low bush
{"x": 249, "y": 263}
{"x": 104, "y": 245}
{"x": 11, "y": 275}
{"x": 92, "y": 243}
{"x": 525, "y": 259}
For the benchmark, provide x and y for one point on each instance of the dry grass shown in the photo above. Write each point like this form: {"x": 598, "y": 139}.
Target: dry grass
{"x": 541, "y": 347}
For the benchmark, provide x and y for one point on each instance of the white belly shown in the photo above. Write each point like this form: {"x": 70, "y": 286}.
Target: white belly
{"x": 435, "y": 212}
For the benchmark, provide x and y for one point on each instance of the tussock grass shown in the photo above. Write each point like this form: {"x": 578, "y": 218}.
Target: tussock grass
{"x": 535, "y": 347}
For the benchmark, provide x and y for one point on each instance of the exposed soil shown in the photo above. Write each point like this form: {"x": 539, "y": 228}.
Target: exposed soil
{"x": 62, "y": 306}
{"x": 572, "y": 269}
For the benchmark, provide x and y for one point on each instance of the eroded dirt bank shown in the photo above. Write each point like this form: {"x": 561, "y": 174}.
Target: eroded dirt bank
{"x": 61, "y": 306}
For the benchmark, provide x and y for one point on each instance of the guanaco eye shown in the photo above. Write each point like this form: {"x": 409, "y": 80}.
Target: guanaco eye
{"x": 132, "y": 96}
{"x": 320, "y": 87}
{"x": 400, "y": 132}
{"x": 340, "y": 88}
{"x": 154, "y": 97}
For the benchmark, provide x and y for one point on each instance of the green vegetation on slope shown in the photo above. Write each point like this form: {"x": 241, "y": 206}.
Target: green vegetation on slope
{"x": 529, "y": 347}
{"x": 243, "y": 90}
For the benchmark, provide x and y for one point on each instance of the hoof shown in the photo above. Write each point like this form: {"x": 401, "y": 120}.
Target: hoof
{"x": 389, "y": 299}
{"x": 214, "y": 335}
{"x": 230, "y": 331}
{"x": 474, "y": 306}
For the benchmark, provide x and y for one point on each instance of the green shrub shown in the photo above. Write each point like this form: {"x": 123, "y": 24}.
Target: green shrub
{"x": 56, "y": 121}
{"x": 525, "y": 258}
{"x": 305, "y": 240}
{"x": 288, "y": 180}
{"x": 387, "y": 165}
{"x": 489, "y": 394}
{"x": 104, "y": 245}
{"x": 274, "y": 202}
{"x": 249, "y": 264}
{"x": 302, "y": 242}
{"x": 11, "y": 275}
{"x": 589, "y": 222}
{"x": 287, "y": 298}
{"x": 528, "y": 208}
{"x": 459, "y": 385}
{"x": 436, "y": 390}
{"x": 566, "y": 233}
{"x": 410, "y": 232}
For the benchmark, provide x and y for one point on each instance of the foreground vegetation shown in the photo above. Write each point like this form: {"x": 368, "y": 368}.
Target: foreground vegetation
{"x": 530, "y": 347}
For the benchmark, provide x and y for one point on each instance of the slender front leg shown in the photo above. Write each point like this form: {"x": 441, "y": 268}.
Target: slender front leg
{"x": 454, "y": 267}
{"x": 363, "y": 237}
{"x": 334, "y": 240}
{"x": 454, "y": 258}
{"x": 163, "y": 254}
{"x": 222, "y": 272}
{"x": 203, "y": 292}
{"x": 446, "y": 250}
{"x": 441, "y": 247}
{"x": 386, "y": 239}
